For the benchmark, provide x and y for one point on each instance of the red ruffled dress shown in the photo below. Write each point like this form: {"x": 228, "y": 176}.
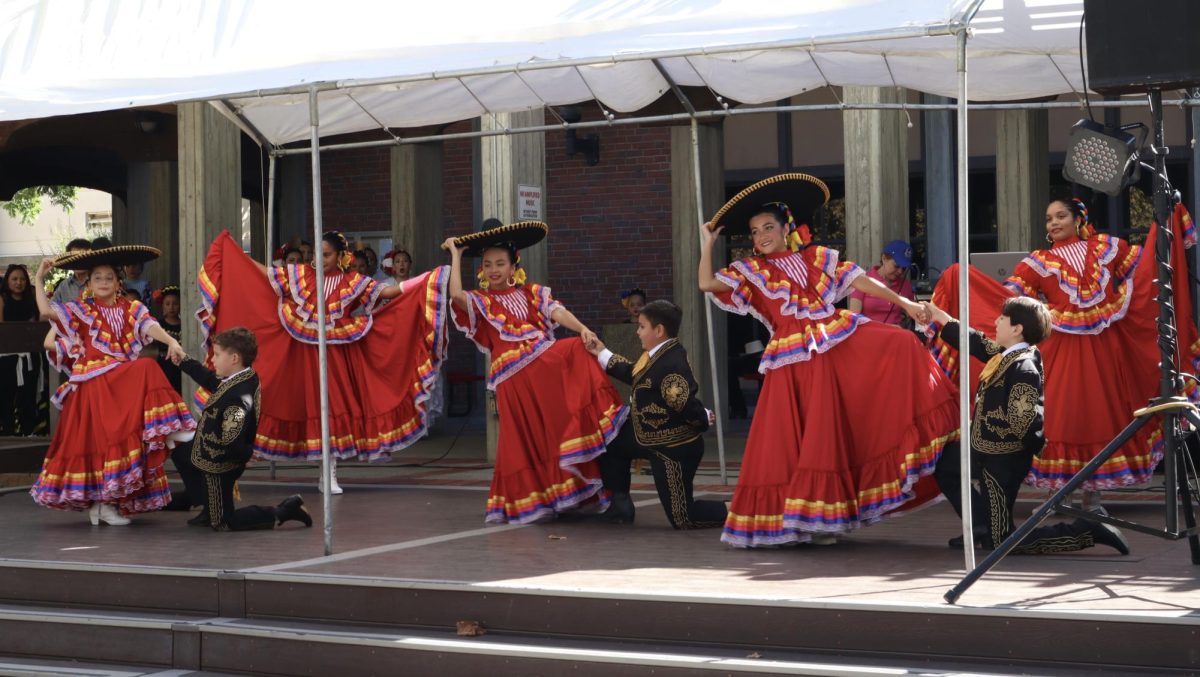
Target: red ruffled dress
{"x": 1101, "y": 358}
{"x": 558, "y": 410}
{"x": 852, "y": 413}
{"x": 382, "y": 360}
{"x": 118, "y": 412}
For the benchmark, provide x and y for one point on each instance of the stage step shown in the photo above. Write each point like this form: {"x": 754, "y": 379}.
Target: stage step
{"x": 196, "y": 619}
{"x": 143, "y": 643}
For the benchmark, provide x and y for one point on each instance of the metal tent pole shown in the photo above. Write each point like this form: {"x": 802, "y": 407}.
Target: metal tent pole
{"x": 270, "y": 209}
{"x": 322, "y": 350}
{"x": 964, "y": 312}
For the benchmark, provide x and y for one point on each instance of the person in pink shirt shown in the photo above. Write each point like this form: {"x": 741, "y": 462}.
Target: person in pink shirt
{"x": 892, "y": 272}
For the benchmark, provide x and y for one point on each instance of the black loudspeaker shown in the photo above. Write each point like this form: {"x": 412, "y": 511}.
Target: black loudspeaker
{"x": 1134, "y": 46}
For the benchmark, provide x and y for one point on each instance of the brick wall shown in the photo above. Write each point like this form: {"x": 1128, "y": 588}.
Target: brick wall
{"x": 610, "y": 225}
{"x": 356, "y": 189}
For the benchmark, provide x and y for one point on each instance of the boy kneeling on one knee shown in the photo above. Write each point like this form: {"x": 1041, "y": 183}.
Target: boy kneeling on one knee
{"x": 224, "y": 440}
{"x": 1006, "y": 433}
{"x": 665, "y": 423}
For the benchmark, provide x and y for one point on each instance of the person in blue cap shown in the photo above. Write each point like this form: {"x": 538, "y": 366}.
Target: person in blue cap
{"x": 892, "y": 272}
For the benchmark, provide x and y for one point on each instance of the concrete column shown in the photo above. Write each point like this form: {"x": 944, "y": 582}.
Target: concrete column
{"x": 509, "y": 161}
{"x": 876, "y": 152}
{"x": 685, "y": 245}
{"x": 417, "y": 203}
{"x": 293, "y": 196}
{"x": 941, "y": 222}
{"x": 151, "y": 215}
{"x": 122, "y": 232}
{"x": 210, "y": 179}
{"x": 506, "y": 162}
{"x": 1022, "y": 179}
{"x": 258, "y": 231}
{"x": 1118, "y": 205}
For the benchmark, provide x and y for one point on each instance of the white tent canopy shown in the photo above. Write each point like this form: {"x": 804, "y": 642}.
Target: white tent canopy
{"x": 406, "y": 65}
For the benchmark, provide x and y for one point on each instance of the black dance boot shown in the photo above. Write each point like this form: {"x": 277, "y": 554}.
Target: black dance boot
{"x": 179, "y": 501}
{"x": 620, "y": 511}
{"x": 1106, "y": 534}
{"x": 292, "y": 508}
{"x": 201, "y": 520}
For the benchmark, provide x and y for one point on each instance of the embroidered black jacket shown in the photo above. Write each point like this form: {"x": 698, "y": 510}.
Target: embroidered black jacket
{"x": 225, "y": 432}
{"x": 1009, "y": 405}
{"x": 664, "y": 404}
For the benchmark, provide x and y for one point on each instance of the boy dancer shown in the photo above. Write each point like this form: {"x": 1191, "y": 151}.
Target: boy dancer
{"x": 1006, "y": 433}
{"x": 665, "y": 423}
{"x": 224, "y": 439}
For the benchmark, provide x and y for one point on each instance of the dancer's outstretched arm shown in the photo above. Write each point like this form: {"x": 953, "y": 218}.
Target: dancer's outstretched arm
{"x": 391, "y": 291}
{"x": 564, "y": 317}
{"x": 456, "y": 289}
{"x": 869, "y": 285}
{"x": 39, "y": 291}
{"x": 709, "y": 282}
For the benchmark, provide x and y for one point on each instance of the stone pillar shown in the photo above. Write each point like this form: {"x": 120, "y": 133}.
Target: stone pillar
{"x": 210, "y": 180}
{"x": 1118, "y": 205}
{"x": 941, "y": 211}
{"x": 122, "y": 232}
{"x": 509, "y": 161}
{"x": 685, "y": 245}
{"x": 258, "y": 231}
{"x": 417, "y": 203}
{"x": 152, "y": 216}
{"x": 506, "y": 162}
{"x": 1022, "y": 179}
{"x": 292, "y": 193}
{"x": 876, "y": 152}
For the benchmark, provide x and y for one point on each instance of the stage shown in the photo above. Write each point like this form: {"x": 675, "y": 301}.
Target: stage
{"x": 412, "y": 557}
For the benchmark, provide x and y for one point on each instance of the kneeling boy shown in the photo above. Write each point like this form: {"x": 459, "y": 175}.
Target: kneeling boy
{"x": 665, "y": 423}
{"x": 1006, "y": 433}
{"x": 224, "y": 439}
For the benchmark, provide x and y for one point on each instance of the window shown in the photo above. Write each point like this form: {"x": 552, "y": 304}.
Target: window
{"x": 98, "y": 223}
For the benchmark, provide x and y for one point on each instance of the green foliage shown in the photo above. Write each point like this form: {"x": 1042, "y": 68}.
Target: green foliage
{"x": 26, "y": 203}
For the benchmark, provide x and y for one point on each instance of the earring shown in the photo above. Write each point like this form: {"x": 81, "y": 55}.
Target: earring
{"x": 512, "y": 280}
{"x": 1049, "y": 239}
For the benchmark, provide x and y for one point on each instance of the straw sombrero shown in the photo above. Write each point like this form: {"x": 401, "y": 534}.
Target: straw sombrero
{"x": 108, "y": 256}
{"x": 518, "y": 236}
{"x": 802, "y": 193}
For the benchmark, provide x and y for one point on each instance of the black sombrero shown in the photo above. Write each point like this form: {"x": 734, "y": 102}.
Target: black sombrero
{"x": 802, "y": 193}
{"x": 108, "y": 256}
{"x": 518, "y": 235}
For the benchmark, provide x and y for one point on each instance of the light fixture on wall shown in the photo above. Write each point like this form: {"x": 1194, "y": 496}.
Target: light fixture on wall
{"x": 589, "y": 145}
{"x": 148, "y": 122}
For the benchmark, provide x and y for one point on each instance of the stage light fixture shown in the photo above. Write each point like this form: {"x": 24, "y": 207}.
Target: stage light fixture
{"x": 1099, "y": 158}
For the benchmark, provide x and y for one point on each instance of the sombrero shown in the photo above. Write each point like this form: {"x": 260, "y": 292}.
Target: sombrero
{"x": 109, "y": 256}
{"x": 518, "y": 235}
{"x": 802, "y": 193}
